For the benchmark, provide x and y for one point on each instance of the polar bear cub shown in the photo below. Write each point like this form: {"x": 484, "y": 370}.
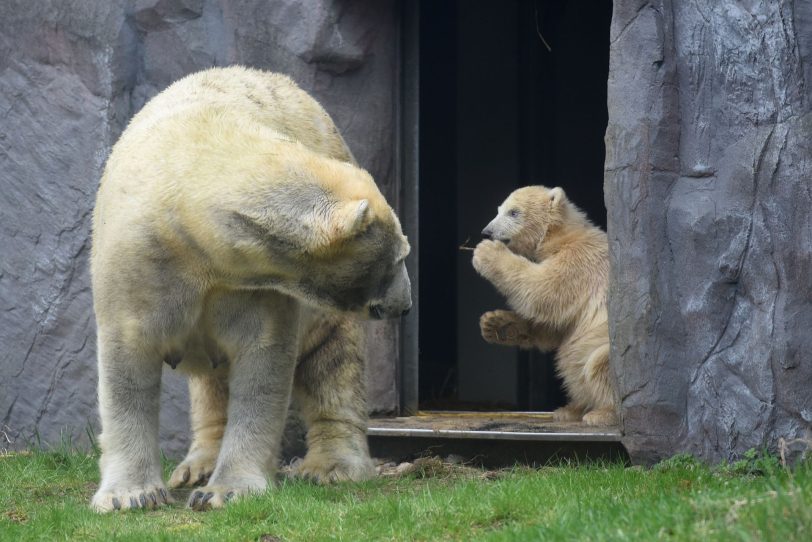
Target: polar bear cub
{"x": 552, "y": 264}
{"x": 235, "y": 238}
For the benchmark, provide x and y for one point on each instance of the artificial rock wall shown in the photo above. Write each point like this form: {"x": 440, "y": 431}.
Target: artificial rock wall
{"x": 708, "y": 186}
{"x": 72, "y": 72}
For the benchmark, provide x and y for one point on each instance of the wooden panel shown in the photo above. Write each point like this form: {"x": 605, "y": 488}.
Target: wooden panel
{"x": 535, "y": 426}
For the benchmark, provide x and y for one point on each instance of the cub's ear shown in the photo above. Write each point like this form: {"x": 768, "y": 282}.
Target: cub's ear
{"x": 557, "y": 196}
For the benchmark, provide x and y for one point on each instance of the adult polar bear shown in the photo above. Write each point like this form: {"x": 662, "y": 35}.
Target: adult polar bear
{"x": 235, "y": 238}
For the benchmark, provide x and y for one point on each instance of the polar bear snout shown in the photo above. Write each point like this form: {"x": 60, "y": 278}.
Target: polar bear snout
{"x": 503, "y": 227}
{"x": 397, "y": 299}
{"x": 378, "y": 312}
{"x": 488, "y": 233}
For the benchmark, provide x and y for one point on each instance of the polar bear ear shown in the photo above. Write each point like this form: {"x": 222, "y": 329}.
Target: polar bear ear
{"x": 350, "y": 217}
{"x": 557, "y": 196}
{"x": 343, "y": 220}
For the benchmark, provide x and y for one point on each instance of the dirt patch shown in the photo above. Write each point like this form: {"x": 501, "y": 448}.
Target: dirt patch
{"x": 16, "y": 516}
{"x": 436, "y": 467}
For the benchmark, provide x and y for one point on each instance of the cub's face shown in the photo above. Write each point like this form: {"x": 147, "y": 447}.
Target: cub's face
{"x": 524, "y": 218}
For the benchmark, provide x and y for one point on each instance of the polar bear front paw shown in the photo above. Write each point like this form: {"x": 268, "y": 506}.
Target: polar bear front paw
{"x": 131, "y": 498}
{"x": 486, "y": 255}
{"x": 327, "y": 469}
{"x": 210, "y": 497}
{"x": 218, "y": 495}
{"x": 195, "y": 469}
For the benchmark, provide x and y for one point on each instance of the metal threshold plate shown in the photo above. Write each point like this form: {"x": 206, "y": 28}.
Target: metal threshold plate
{"x": 524, "y": 426}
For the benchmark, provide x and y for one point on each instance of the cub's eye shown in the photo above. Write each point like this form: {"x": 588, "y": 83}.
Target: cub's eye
{"x": 513, "y": 213}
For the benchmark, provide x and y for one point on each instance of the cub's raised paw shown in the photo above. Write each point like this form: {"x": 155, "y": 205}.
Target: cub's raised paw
{"x": 324, "y": 469}
{"x": 195, "y": 470}
{"x": 502, "y": 327}
{"x": 147, "y": 498}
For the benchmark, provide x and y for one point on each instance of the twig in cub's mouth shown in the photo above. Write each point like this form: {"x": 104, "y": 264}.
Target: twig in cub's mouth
{"x": 465, "y": 246}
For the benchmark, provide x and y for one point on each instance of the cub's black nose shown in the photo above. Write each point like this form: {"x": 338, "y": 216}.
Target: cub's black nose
{"x": 487, "y": 234}
{"x": 404, "y": 313}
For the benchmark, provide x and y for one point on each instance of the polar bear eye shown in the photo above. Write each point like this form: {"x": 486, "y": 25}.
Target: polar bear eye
{"x": 513, "y": 213}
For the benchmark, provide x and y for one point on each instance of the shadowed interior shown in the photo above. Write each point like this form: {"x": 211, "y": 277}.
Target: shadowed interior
{"x": 499, "y": 111}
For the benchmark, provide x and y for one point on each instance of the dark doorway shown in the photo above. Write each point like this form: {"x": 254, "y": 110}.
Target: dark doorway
{"x": 498, "y": 110}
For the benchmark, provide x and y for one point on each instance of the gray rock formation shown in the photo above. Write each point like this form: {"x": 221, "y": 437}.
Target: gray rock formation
{"x": 708, "y": 186}
{"x": 71, "y": 75}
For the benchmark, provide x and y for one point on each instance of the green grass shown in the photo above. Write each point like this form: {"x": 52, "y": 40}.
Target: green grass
{"x": 44, "y": 496}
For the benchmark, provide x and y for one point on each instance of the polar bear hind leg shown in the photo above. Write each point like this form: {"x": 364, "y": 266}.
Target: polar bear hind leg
{"x": 208, "y": 396}
{"x": 330, "y": 389}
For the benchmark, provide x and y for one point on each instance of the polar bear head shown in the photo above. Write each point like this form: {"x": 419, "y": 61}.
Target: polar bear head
{"x": 526, "y": 216}
{"x": 363, "y": 269}
{"x": 325, "y": 235}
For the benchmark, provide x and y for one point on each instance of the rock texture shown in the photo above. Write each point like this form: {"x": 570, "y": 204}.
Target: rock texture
{"x": 71, "y": 75}
{"x": 708, "y": 186}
